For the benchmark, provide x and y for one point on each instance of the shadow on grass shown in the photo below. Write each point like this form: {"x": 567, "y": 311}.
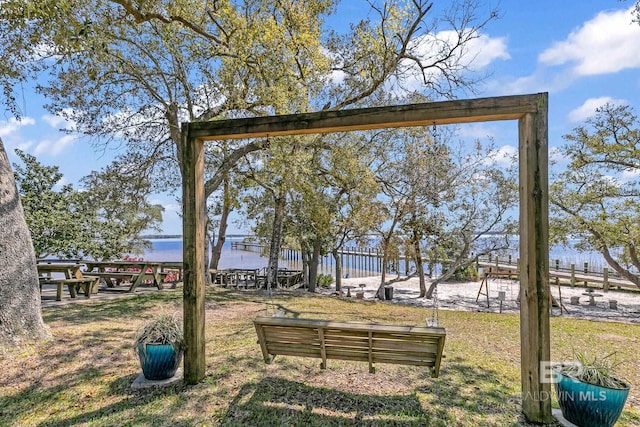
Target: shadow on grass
{"x": 131, "y": 401}
{"x": 277, "y": 401}
{"x": 48, "y": 399}
{"x": 475, "y": 392}
{"x": 463, "y": 395}
{"x": 117, "y": 309}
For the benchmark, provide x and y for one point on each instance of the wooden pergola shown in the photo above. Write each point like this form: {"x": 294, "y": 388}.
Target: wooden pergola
{"x": 532, "y": 115}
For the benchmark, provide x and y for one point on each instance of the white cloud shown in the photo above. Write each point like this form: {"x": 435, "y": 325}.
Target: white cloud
{"x": 62, "y": 182}
{"x": 556, "y": 155}
{"x": 588, "y": 108}
{"x": 54, "y": 147}
{"x": 630, "y": 175}
{"x": 484, "y": 50}
{"x": 476, "y": 131}
{"x": 608, "y": 43}
{"x": 477, "y": 53}
{"x": 504, "y": 155}
{"x": 12, "y": 125}
{"x": 60, "y": 121}
{"x": 540, "y": 81}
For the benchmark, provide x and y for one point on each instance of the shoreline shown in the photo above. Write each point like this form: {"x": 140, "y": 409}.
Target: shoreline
{"x": 461, "y": 296}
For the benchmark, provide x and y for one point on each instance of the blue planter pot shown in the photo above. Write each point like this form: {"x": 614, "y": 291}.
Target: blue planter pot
{"x": 588, "y": 405}
{"x": 159, "y": 361}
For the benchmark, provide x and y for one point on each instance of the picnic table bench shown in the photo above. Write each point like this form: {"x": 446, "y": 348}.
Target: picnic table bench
{"x": 365, "y": 342}
{"x": 89, "y": 284}
{"x": 136, "y": 271}
{"x": 118, "y": 276}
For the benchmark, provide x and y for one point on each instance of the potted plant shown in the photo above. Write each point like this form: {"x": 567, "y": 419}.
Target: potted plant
{"x": 589, "y": 392}
{"x": 159, "y": 344}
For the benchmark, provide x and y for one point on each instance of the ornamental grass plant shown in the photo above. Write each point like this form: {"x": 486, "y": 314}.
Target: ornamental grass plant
{"x": 591, "y": 369}
{"x": 162, "y": 329}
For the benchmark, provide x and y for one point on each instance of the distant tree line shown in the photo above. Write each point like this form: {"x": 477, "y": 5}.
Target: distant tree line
{"x": 101, "y": 220}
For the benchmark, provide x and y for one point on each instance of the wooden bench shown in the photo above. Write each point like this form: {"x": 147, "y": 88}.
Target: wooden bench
{"x": 365, "y": 342}
{"x": 89, "y": 283}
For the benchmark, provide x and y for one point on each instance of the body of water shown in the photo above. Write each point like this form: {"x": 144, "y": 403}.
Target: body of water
{"x": 171, "y": 250}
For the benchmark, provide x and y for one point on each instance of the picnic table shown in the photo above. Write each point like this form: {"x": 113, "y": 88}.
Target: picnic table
{"x": 135, "y": 271}
{"x": 70, "y": 270}
{"x": 592, "y": 296}
{"x": 348, "y": 288}
{"x": 73, "y": 278}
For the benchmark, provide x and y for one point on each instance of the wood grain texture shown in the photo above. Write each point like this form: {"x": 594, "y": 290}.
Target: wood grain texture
{"x": 363, "y": 342}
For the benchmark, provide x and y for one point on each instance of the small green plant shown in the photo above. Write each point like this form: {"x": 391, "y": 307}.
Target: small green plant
{"x": 162, "y": 329}
{"x": 463, "y": 274}
{"x": 594, "y": 370}
{"x": 324, "y": 280}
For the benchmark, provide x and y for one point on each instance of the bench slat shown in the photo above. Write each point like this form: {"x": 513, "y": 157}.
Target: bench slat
{"x": 366, "y": 342}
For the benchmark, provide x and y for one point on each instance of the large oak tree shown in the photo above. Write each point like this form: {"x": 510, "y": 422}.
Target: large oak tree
{"x": 597, "y": 198}
{"x": 20, "y": 314}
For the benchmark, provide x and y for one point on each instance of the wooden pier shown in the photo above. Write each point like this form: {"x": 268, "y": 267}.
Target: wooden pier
{"x": 572, "y": 276}
{"x": 254, "y": 278}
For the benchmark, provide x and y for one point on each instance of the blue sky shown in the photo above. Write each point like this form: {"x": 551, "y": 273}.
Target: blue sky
{"x": 584, "y": 53}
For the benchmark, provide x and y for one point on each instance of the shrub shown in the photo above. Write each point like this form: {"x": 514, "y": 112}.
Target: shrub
{"x": 465, "y": 274}
{"x": 324, "y": 280}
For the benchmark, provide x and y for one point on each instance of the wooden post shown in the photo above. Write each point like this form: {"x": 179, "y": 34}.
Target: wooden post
{"x": 605, "y": 281}
{"x": 193, "y": 208}
{"x": 534, "y": 269}
{"x": 573, "y": 275}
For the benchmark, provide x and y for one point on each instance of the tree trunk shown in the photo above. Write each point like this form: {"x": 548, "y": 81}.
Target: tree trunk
{"x": 385, "y": 259}
{"x": 222, "y": 229}
{"x": 338, "y": 260}
{"x": 20, "y": 309}
{"x": 606, "y": 253}
{"x": 623, "y": 272}
{"x": 304, "y": 253}
{"x": 208, "y": 241}
{"x": 276, "y": 239}
{"x": 313, "y": 265}
{"x": 418, "y": 260}
{"x": 460, "y": 261}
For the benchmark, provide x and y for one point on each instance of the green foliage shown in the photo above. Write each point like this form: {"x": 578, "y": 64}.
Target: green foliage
{"x": 475, "y": 388}
{"x": 324, "y": 280}
{"x": 116, "y": 207}
{"x": 597, "y": 198}
{"x": 52, "y": 221}
{"x": 103, "y": 221}
{"x": 448, "y": 197}
{"x": 465, "y": 274}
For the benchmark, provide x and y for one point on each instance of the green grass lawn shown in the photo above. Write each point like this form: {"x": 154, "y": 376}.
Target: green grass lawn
{"x": 83, "y": 376}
